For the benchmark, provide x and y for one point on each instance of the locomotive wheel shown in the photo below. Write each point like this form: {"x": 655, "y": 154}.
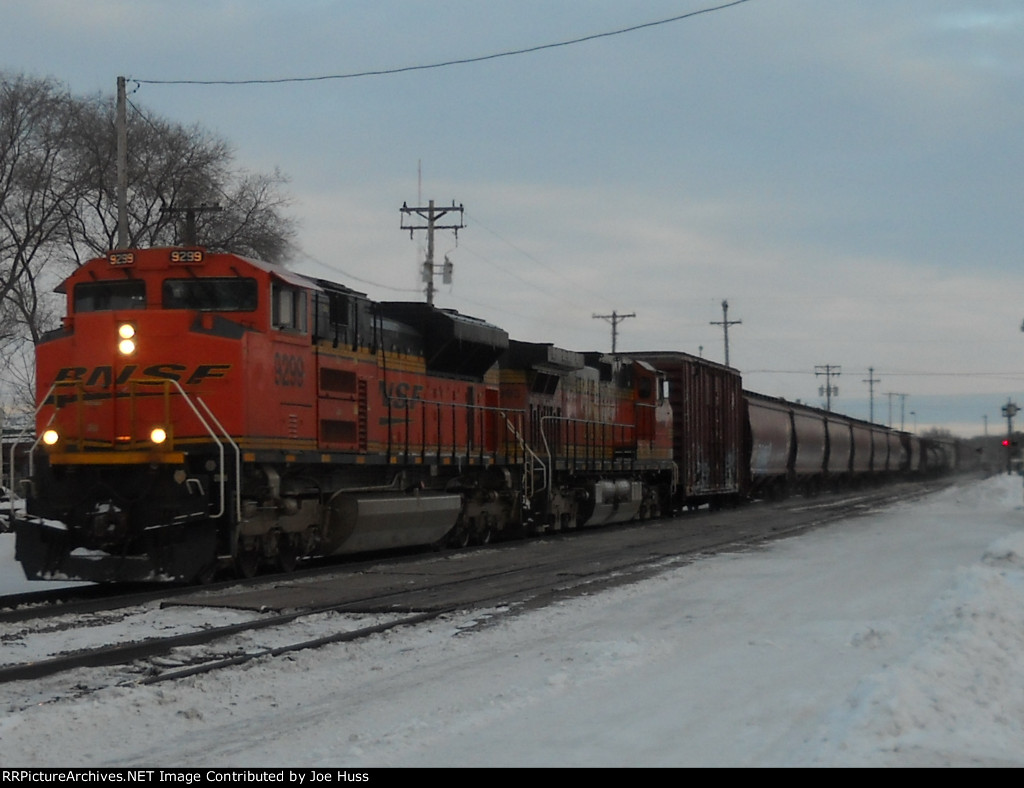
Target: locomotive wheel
{"x": 207, "y": 574}
{"x": 248, "y": 562}
{"x": 287, "y": 553}
{"x": 459, "y": 537}
{"x": 483, "y": 535}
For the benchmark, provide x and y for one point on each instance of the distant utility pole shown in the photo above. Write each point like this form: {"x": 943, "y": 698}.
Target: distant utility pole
{"x": 725, "y": 323}
{"x": 190, "y": 236}
{"x": 828, "y": 390}
{"x": 432, "y": 215}
{"x": 903, "y": 406}
{"x": 871, "y": 381}
{"x": 614, "y": 318}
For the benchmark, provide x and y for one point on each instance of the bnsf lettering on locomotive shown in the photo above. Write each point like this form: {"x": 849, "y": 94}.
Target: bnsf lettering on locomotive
{"x": 401, "y": 395}
{"x": 70, "y": 373}
{"x": 288, "y": 370}
{"x": 165, "y": 371}
{"x": 204, "y": 371}
{"x": 103, "y": 376}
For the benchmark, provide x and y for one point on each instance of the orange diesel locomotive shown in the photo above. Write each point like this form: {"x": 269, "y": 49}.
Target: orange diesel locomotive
{"x": 198, "y": 410}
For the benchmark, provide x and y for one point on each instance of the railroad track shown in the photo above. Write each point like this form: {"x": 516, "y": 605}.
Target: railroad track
{"x": 366, "y": 599}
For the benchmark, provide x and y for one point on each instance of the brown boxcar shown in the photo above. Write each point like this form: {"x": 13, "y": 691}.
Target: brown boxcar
{"x": 707, "y": 416}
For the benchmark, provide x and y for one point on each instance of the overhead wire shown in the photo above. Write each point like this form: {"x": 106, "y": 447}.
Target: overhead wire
{"x": 459, "y": 61}
{"x": 336, "y": 270}
{"x": 442, "y": 64}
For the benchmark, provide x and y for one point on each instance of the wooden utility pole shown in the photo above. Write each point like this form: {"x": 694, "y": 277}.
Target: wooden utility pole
{"x": 829, "y": 371}
{"x": 614, "y": 318}
{"x": 725, "y": 323}
{"x": 871, "y": 381}
{"x": 903, "y": 406}
{"x": 121, "y": 123}
{"x": 432, "y": 215}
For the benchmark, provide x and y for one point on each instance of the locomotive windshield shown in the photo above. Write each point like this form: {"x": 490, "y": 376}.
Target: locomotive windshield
{"x": 211, "y": 294}
{"x": 103, "y": 296}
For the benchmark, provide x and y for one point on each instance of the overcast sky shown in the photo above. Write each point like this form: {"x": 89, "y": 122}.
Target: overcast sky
{"x": 848, "y": 174}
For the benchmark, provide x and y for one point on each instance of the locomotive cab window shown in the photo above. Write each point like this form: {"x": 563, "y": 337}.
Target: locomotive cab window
{"x": 104, "y": 296}
{"x": 289, "y": 307}
{"x": 211, "y": 294}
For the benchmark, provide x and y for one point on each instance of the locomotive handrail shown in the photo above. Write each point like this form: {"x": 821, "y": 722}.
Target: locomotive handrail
{"x": 470, "y": 407}
{"x": 32, "y": 451}
{"x": 238, "y": 457}
{"x": 220, "y": 446}
{"x": 570, "y": 420}
{"x": 32, "y": 448}
{"x": 530, "y": 453}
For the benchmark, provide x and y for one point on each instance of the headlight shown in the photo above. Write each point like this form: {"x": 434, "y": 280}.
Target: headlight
{"x": 50, "y": 437}
{"x": 158, "y": 435}
{"x": 127, "y": 344}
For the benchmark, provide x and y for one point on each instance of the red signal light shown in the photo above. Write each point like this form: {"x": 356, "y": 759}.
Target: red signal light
{"x": 1006, "y": 442}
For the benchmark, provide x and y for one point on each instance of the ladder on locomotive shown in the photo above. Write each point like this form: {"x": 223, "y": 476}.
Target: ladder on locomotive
{"x": 531, "y": 461}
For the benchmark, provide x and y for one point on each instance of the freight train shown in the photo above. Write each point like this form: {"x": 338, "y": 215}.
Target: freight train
{"x": 200, "y": 411}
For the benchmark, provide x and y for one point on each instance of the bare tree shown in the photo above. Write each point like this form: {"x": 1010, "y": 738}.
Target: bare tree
{"x": 58, "y": 207}
{"x": 172, "y": 170}
{"x": 40, "y": 182}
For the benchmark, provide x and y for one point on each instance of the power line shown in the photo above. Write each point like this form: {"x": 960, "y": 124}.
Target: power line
{"x": 573, "y": 286}
{"x": 336, "y": 270}
{"x": 897, "y": 373}
{"x": 443, "y": 64}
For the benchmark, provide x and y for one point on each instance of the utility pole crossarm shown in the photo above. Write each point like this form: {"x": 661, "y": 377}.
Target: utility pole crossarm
{"x": 190, "y": 236}
{"x": 828, "y": 390}
{"x": 614, "y": 318}
{"x": 432, "y": 214}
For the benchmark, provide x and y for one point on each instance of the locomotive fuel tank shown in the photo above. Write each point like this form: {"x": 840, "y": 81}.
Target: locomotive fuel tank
{"x": 365, "y": 522}
{"x": 615, "y": 501}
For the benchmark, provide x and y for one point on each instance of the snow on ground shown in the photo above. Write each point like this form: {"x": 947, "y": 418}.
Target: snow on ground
{"x": 891, "y": 639}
